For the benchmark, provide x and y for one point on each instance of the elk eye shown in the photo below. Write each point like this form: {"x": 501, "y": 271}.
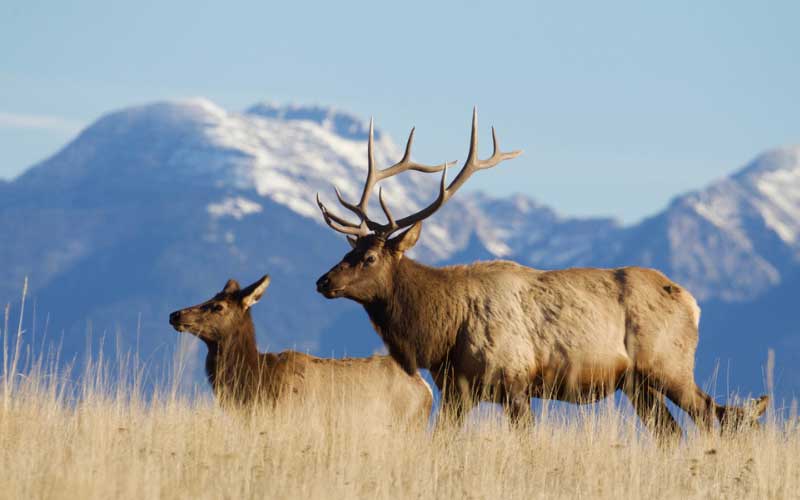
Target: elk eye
{"x": 217, "y": 308}
{"x": 370, "y": 260}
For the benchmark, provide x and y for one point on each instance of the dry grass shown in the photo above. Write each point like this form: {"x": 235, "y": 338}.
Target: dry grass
{"x": 98, "y": 439}
{"x": 101, "y": 445}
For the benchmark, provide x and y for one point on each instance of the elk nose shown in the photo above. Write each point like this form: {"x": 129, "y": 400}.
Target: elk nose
{"x": 323, "y": 283}
{"x": 174, "y": 317}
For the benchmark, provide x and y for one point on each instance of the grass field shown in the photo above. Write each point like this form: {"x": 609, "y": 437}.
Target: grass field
{"x": 98, "y": 441}
{"x": 117, "y": 447}
{"x": 104, "y": 437}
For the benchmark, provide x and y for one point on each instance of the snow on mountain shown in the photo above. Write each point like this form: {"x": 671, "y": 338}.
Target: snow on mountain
{"x": 733, "y": 239}
{"x": 337, "y": 121}
{"x": 774, "y": 181}
{"x": 285, "y": 154}
{"x": 769, "y": 186}
{"x": 237, "y": 207}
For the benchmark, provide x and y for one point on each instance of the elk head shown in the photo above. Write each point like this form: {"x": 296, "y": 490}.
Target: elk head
{"x": 366, "y": 272}
{"x": 223, "y": 314}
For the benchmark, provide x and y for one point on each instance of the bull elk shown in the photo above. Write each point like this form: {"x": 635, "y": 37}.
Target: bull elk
{"x": 502, "y": 332}
{"x": 238, "y": 373}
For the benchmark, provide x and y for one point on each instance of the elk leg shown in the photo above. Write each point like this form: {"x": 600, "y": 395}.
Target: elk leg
{"x": 457, "y": 400}
{"x": 517, "y": 402}
{"x": 519, "y": 410}
{"x": 694, "y": 401}
{"x": 652, "y": 410}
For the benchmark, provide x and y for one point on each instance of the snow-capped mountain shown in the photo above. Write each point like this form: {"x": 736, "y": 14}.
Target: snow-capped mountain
{"x": 732, "y": 241}
{"x": 152, "y": 208}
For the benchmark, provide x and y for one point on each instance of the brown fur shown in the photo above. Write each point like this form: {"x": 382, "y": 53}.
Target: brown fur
{"x": 502, "y": 332}
{"x": 239, "y": 374}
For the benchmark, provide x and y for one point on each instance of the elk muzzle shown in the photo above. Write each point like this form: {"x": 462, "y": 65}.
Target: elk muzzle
{"x": 176, "y": 320}
{"x": 326, "y": 287}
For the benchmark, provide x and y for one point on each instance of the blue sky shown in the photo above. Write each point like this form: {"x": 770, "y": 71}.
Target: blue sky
{"x": 618, "y": 105}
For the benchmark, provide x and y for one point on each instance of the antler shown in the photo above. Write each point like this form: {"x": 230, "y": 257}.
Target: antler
{"x": 471, "y": 165}
{"x": 374, "y": 176}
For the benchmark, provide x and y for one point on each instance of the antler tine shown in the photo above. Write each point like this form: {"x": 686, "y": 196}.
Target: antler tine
{"x": 392, "y": 225}
{"x": 353, "y": 208}
{"x": 471, "y": 165}
{"x": 340, "y": 224}
{"x": 372, "y": 178}
{"x": 426, "y": 212}
{"x": 406, "y": 164}
{"x": 473, "y": 138}
{"x": 409, "y": 143}
{"x": 339, "y": 220}
{"x": 497, "y": 155}
{"x": 371, "y": 174}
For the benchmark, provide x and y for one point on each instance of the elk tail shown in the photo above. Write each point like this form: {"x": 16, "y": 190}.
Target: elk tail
{"x": 740, "y": 417}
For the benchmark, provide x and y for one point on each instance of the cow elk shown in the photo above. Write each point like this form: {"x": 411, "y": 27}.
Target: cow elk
{"x": 239, "y": 374}
{"x": 502, "y": 332}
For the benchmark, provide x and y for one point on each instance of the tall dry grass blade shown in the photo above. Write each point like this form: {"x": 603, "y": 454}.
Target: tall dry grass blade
{"x": 771, "y": 371}
{"x": 10, "y": 375}
{"x": 6, "y": 394}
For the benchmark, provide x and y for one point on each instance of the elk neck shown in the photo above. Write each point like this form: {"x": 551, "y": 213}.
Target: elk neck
{"x": 418, "y": 317}
{"x": 232, "y": 363}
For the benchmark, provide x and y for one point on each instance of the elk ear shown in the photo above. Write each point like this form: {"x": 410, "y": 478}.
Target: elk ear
{"x": 253, "y": 293}
{"x": 403, "y": 242}
{"x": 352, "y": 241}
{"x": 231, "y": 286}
